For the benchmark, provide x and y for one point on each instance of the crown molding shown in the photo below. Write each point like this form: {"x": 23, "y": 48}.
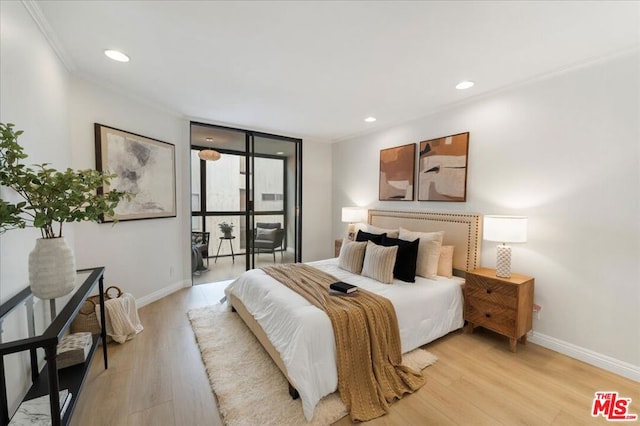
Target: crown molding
{"x": 42, "y": 23}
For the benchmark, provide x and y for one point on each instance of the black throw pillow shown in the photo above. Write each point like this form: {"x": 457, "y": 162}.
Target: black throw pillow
{"x": 406, "y": 258}
{"x": 366, "y": 236}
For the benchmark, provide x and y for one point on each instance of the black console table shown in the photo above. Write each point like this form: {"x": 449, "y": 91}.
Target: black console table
{"x": 50, "y": 380}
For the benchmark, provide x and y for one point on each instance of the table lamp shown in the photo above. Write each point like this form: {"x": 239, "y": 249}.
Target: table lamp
{"x": 352, "y": 215}
{"x": 504, "y": 229}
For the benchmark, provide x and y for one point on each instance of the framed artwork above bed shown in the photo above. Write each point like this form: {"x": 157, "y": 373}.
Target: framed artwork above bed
{"x": 397, "y": 169}
{"x": 442, "y": 172}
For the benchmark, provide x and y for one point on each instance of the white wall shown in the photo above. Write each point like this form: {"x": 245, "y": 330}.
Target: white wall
{"x": 563, "y": 151}
{"x": 317, "y": 241}
{"x": 143, "y": 257}
{"x": 34, "y": 96}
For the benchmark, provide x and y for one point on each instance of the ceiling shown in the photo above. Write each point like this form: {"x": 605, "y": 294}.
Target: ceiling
{"x": 317, "y": 69}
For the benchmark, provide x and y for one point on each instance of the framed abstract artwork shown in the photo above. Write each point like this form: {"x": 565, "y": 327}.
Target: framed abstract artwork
{"x": 145, "y": 167}
{"x": 442, "y": 170}
{"x": 397, "y": 170}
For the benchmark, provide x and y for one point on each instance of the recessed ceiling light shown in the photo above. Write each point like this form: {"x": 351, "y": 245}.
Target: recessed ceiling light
{"x": 279, "y": 152}
{"x": 370, "y": 119}
{"x": 464, "y": 85}
{"x": 209, "y": 139}
{"x": 116, "y": 55}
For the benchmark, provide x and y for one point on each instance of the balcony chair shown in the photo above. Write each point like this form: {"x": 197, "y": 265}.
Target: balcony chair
{"x": 200, "y": 242}
{"x": 268, "y": 237}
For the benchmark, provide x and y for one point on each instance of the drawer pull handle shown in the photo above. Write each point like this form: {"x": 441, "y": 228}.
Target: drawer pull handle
{"x": 487, "y": 315}
{"x": 488, "y": 291}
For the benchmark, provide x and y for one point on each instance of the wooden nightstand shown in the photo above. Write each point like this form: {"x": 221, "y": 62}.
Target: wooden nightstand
{"x": 503, "y": 305}
{"x": 338, "y": 246}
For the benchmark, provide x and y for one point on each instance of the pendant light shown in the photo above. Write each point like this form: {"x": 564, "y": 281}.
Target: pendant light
{"x": 209, "y": 155}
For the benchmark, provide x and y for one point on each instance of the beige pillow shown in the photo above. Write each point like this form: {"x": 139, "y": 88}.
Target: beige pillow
{"x": 379, "y": 262}
{"x": 445, "y": 262}
{"x": 352, "y": 255}
{"x": 428, "y": 251}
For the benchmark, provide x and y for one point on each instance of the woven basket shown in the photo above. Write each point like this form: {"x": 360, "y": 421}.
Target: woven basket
{"x": 87, "y": 320}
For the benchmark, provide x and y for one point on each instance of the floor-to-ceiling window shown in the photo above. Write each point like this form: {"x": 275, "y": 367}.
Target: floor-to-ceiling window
{"x": 245, "y": 200}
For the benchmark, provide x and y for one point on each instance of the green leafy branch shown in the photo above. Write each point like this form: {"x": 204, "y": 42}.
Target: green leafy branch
{"x": 51, "y": 197}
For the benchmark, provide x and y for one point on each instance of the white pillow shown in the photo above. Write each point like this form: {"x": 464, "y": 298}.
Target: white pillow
{"x": 379, "y": 262}
{"x": 365, "y": 227}
{"x": 428, "y": 251}
{"x": 391, "y": 233}
{"x": 352, "y": 255}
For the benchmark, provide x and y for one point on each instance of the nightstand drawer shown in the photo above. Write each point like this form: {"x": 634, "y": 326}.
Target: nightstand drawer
{"x": 491, "y": 290}
{"x": 489, "y": 315}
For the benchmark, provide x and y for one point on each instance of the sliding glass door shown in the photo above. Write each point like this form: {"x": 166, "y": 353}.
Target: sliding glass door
{"x": 246, "y": 197}
{"x": 275, "y": 199}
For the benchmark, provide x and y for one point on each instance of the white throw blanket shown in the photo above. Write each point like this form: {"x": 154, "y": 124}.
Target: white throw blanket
{"x": 123, "y": 322}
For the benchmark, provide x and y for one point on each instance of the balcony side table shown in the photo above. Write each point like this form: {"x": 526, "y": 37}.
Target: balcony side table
{"x": 233, "y": 259}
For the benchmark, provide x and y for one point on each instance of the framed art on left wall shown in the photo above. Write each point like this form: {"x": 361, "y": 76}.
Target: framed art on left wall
{"x": 145, "y": 167}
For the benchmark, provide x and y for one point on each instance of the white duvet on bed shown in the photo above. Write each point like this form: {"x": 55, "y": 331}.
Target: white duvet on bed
{"x": 303, "y": 335}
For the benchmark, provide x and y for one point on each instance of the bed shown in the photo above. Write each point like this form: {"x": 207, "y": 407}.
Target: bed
{"x": 299, "y": 336}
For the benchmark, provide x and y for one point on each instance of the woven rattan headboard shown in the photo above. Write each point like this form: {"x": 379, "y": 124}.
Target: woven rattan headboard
{"x": 462, "y": 230}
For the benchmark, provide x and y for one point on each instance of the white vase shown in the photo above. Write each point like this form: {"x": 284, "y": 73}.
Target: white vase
{"x": 52, "y": 268}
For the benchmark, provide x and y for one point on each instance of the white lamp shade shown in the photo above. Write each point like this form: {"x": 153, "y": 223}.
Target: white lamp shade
{"x": 353, "y": 214}
{"x": 505, "y": 229}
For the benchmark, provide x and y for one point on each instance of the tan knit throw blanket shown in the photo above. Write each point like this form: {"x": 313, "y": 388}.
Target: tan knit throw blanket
{"x": 370, "y": 374}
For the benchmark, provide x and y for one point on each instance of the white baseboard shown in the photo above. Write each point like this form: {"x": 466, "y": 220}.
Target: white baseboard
{"x": 163, "y": 292}
{"x": 605, "y": 362}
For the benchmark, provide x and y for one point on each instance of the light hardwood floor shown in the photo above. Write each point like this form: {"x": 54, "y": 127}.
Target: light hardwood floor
{"x": 158, "y": 379}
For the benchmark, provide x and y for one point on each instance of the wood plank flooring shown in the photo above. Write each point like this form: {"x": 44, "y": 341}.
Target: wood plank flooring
{"x": 158, "y": 379}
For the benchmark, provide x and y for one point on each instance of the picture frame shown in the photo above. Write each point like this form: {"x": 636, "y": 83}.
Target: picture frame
{"x": 144, "y": 166}
{"x": 397, "y": 173}
{"x": 442, "y": 168}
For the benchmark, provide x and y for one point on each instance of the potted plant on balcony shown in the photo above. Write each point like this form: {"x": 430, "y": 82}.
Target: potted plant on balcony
{"x": 50, "y": 198}
{"x": 226, "y": 229}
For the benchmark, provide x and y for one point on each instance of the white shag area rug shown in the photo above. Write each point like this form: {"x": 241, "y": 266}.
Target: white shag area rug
{"x": 249, "y": 387}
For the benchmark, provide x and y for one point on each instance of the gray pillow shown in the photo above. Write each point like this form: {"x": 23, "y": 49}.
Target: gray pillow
{"x": 265, "y": 234}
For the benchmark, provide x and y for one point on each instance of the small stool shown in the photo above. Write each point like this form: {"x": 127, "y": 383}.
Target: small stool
{"x": 233, "y": 259}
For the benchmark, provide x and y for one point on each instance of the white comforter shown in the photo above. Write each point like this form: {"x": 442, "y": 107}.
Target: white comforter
{"x": 303, "y": 335}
